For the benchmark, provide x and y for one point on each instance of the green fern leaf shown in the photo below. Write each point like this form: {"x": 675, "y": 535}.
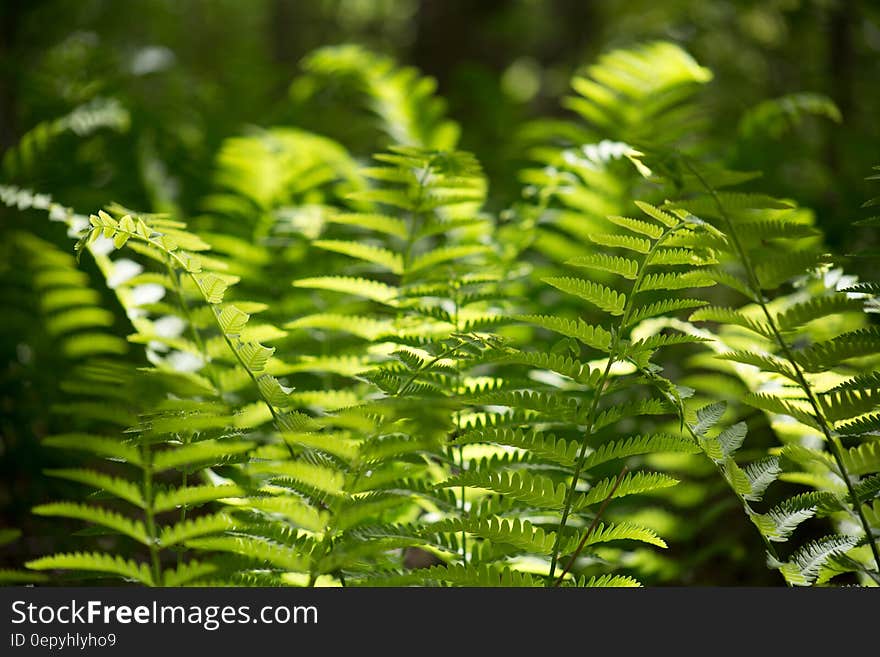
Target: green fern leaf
{"x": 766, "y": 362}
{"x": 187, "y": 573}
{"x": 761, "y": 474}
{"x": 379, "y": 222}
{"x": 662, "y": 307}
{"x": 359, "y": 287}
{"x": 190, "y": 529}
{"x": 529, "y": 488}
{"x": 804, "y": 312}
{"x": 99, "y": 445}
{"x": 168, "y": 500}
{"x": 652, "y": 231}
{"x": 132, "y": 528}
{"x": 727, "y": 316}
{"x": 633, "y": 483}
{"x": 254, "y": 356}
{"x": 830, "y": 353}
{"x": 780, "y": 521}
{"x": 648, "y": 444}
{"x": 628, "y": 242}
{"x": 600, "y": 296}
{"x": 863, "y": 459}
{"x": 592, "y": 336}
{"x": 204, "y": 452}
{"x": 607, "y": 532}
{"x": 319, "y": 477}
{"x": 603, "y": 262}
{"x": 444, "y": 254}
{"x": 674, "y": 281}
{"x": 772, "y": 404}
{"x": 803, "y": 568}
{"x": 121, "y": 488}
{"x": 95, "y": 562}
{"x": 656, "y": 213}
{"x": 391, "y": 261}
{"x": 840, "y": 405}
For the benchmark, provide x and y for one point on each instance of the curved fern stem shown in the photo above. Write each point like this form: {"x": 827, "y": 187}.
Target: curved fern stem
{"x": 194, "y": 331}
{"x": 591, "y": 528}
{"x": 833, "y": 441}
{"x": 600, "y": 387}
{"x": 651, "y": 376}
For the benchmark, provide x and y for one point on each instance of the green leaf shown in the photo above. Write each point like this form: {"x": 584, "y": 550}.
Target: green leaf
{"x": 121, "y": 488}
{"x": 254, "y": 356}
{"x": 863, "y": 459}
{"x": 730, "y": 316}
{"x": 391, "y": 261}
{"x": 648, "y": 444}
{"x": 645, "y": 228}
{"x": 662, "y": 307}
{"x": 633, "y": 483}
{"x": 108, "y": 447}
{"x": 801, "y": 313}
{"x": 208, "y": 452}
{"x": 533, "y": 489}
{"x": 232, "y": 320}
{"x": 360, "y": 287}
{"x": 96, "y": 515}
{"x": 187, "y": 573}
{"x": 168, "y": 500}
{"x": 592, "y": 336}
{"x": 803, "y": 567}
{"x": 194, "y": 528}
{"x": 600, "y": 296}
{"x": 628, "y": 242}
{"x": 95, "y": 562}
{"x": 603, "y": 262}
{"x": 212, "y": 287}
{"x": 378, "y": 222}
{"x": 445, "y": 254}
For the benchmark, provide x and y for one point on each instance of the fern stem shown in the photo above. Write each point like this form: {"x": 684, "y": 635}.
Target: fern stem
{"x": 194, "y": 331}
{"x": 149, "y": 516}
{"x": 579, "y": 465}
{"x": 600, "y": 387}
{"x": 583, "y": 542}
{"x": 833, "y": 441}
{"x": 768, "y": 544}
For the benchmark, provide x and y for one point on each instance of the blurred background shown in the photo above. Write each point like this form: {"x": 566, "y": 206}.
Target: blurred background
{"x": 197, "y": 71}
{"x": 166, "y": 81}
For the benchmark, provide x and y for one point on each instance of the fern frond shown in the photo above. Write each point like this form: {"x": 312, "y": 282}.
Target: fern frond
{"x": 627, "y": 242}
{"x": 95, "y": 562}
{"x": 603, "y": 262}
{"x": 803, "y": 567}
{"x": 190, "y": 529}
{"x": 592, "y": 336}
{"x": 100, "y": 445}
{"x": 359, "y": 287}
{"x": 662, "y": 307}
{"x": 389, "y": 260}
{"x": 166, "y": 500}
{"x": 121, "y": 488}
{"x": 597, "y": 294}
{"x": 204, "y": 452}
{"x": 633, "y": 483}
{"x": 94, "y": 514}
{"x": 529, "y": 488}
{"x": 647, "y": 444}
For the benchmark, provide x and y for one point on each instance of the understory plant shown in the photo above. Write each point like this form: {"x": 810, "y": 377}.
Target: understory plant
{"x": 350, "y": 369}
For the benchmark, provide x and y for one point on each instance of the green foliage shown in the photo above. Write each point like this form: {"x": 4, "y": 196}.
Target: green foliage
{"x": 347, "y": 373}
